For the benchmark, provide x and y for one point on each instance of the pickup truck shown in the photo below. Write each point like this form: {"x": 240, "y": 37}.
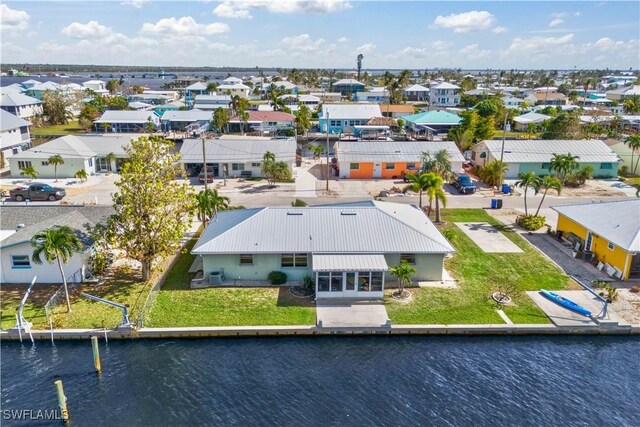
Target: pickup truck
{"x": 37, "y": 191}
{"x": 464, "y": 184}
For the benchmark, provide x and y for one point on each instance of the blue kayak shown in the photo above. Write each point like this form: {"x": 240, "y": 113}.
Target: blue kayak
{"x": 565, "y": 302}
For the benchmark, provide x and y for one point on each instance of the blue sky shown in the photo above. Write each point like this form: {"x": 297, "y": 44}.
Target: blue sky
{"x": 324, "y": 33}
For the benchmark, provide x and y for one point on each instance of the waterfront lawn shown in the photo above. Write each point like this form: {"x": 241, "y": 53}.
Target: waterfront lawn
{"x": 478, "y": 275}
{"x": 71, "y": 128}
{"x": 179, "y": 306}
{"x": 11, "y": 295}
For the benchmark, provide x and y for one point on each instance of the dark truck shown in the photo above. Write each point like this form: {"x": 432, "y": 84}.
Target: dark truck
{"x": 464, "y": 184}
{"x": 37, "y": 191}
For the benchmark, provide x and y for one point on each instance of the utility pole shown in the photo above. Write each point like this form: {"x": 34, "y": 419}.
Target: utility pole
{"x": 504, "y": 135}
{"x": 204, "y": 163}
{"x": 327, "y": 186}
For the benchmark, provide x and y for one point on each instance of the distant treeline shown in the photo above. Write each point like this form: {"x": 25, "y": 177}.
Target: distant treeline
{"x": 47, "y": 68}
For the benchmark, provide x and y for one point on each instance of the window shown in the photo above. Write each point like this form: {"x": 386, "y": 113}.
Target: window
{"x": 389, "y": 166}
{"x": 610, "y": 246}
{"x": 246, "y": 259}
{"x": 45, "y": 163}
{"x": 411, "y": 166}
{"x": 545, "y": 166}
{"x": 606, "y": 166}
{"x": 409, "y": 258}
{"x": 24, "y": 164}
{"x": 354, "y": 166}
{"x": 293, "y": 260}
{"x": 255, "y": 165}
{"x": 376, "y": 281}
{"x": 323, "y": 281}
{"x": 334, "y": 122}
{"x": 364, "y": 280}
{"x": 20, "y": 261}
{"x": 90, "y": 163}
{"x": 336, "y": 282}
{"x": 237, "y": 166}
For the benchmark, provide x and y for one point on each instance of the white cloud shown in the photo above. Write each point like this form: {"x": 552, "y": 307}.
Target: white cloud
{"x": 538, "y": 45}
{"x": 302, "y": 43}
{"x": 242, "y": 8}
{"x": 441, "y": 45}
{"x": 366, "y": 48}
{"x": 92, "y": 29}
{"x": 558, "y": 15}
{"x": 466, "y": 22}
{"x": 12, "y": 19}
{"x": 500, "y": 30}
{"x": 342, "y": 40}
{"x": 135, "y": 3}
{"x": 604, "y": 44}
{"x": 473, "y": 52}
{"x": 577, "y": 13}
{"x": 556, "y": 22}
{"x": 185, "y": 26}
{"x": 415, "y": 52}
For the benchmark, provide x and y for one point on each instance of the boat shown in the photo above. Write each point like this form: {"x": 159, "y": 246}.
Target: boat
{"x": 565, "y": 302}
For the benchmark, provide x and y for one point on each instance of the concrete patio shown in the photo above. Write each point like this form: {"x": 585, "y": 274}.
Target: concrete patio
{"x": 488, "y": 238}
{"x": 351, "y": 314}
{"x": 561, "y": 316}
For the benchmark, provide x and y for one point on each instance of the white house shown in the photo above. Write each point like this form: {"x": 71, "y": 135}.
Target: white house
{"x": 20, "y": 105}
{"x": 444, "y": 95}
{"x": 416, "y": 93}
{"x": 522, "y": 121}
{"x": 14, "y": 136}
{"x": 179, "y": 120}
{"x": 512, "y": 102}
{"x": 341, "y": 116}
{"x": 212, "y": 102}
{"x": 124, "y": 121}
{"x": 346, "y": 249}
{"x": 293, "y": 101}
{"x": 20, "y": 223}
{"x": 98, "y": 86}
{"x": 232, "y": 89}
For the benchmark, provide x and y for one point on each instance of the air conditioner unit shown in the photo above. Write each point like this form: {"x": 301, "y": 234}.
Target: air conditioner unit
{"x": 216, "y": 277}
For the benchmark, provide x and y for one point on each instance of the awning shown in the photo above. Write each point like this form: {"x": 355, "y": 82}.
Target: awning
{"x": 349, "y": 262}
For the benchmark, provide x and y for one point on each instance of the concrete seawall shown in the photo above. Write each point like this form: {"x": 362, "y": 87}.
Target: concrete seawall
{"x": 272, "y": 331}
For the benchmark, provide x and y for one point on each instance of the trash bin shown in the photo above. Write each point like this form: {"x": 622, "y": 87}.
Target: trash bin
{"x": 494, "y": 203}
{"x": 498, "y": 203}
{"x": 506, "y": 189}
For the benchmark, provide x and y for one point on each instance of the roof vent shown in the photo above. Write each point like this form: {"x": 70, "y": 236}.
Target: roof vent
{"x": 347, "y": 213}
{"x": 294, "y": 213}
{"x": 397, "y": 151}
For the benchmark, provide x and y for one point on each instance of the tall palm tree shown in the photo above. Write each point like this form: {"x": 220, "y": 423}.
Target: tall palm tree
{"x": 110, "y": 158}
{"x": 29, "y": 172}
{"x": 244, "y": 119}
{"x": 436, "y": 192}
{"x": 209, "y": 203}
{"x": 528, "y": 180}
{"x": 633, "y": 142}
{"x": 55, "y": 160}
{"x": 547, "y": 183}
{"x": 403, "y": 272}
{"x": 56, "y": 244}
{"x": 563, "y": 164}
{"x": 419, "y": 183}
{"x": 438, "y": 163}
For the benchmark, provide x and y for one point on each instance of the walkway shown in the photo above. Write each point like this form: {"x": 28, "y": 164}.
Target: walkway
{"x": 305, "y": 180}
{"x": 488, "y": 238}
{"x": 351, "y": 314}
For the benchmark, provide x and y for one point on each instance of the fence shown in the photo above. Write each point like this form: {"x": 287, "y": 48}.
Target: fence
{"x": 58, "y": 297}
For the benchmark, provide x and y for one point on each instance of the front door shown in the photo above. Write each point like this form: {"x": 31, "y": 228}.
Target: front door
{"x": 377, "y": 170}
{"x": 350, "y": 288}
{"x": 101, "y": 164}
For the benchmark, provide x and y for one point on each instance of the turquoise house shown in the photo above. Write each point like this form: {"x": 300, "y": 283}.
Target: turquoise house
{"x": 439, "y": 121}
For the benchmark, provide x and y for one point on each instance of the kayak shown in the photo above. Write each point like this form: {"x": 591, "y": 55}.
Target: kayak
{"x": 565, "y": 302}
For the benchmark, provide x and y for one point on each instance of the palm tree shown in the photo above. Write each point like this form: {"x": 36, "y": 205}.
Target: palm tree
{"x": 547, "y": 183}
{"x": 563, "y": 164}
{"x": 110, "y": 158}
{"x": 56, "y": 244}
{"x": 30, "y": 172}
{"x": 317, "y": 151}
{"x": 81, "y": 175}
{"x": 439, "y": 163}
{"x": 403, "y": 272}
{"x": 209, "y": 203}
{"x": 420, "y": 183}
{"x": 633, "y": 142}
{"x": 462, "y": 138}
{"x": 55, "y": 160}
{"x": 269, "y": 156}
{"x": 528, "y": 180}
{"x": 244, "y": 118}
{"x": 531, "y": 128}
{"x": 436, "y": 191}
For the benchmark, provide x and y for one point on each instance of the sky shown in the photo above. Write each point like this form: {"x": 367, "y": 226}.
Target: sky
{"x": 324, "y": 33}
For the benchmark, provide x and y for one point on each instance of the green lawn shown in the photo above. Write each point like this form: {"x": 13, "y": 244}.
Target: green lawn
{"x": 478, "y": 275}
{"x": 177, "y": 305}
{"x": 71, "y": 128}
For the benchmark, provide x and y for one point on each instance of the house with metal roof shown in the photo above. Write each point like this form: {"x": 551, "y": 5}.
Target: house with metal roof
{"x": 512, "y": 102}
{"x": 333, "y": 244}
{"x": 38, "y": 89}
{"x": 389, "y": 159}
{"x": 606, "y": 231}
{"x": 543, "y": 97}
{"x": 14, "y": 136}
{"x": 20, "y": 105}
{"x": 261, "y": 121}
{"x": 348, "y": 86}
{"x": 191, "y": 91}
{"x": 180, "y": 120}
{"x": 238, "y": 89}
{"x": 235, "y": 156}
{"x": 434, "y": 121}
{"x": 444, "y": 95}
{"x": 212, "y": 102}
{"x": 18, "y": 224}
{"x": 126, "y": 121}
{"x": 79, "y": 152}
{"x": 343, "y": 117}
{"x": 416, "y": 93}
{"x": 149, "y": 98}
{"x": 293, "y": 101}
{"x": 523, "y": 120}
{"x": 396, "y": 111}
{"x": 534, "y": 155}
{"x": 372, "y": 96}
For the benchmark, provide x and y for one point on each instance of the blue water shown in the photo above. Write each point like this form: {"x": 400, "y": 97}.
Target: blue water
{"x": 333, "y": 381}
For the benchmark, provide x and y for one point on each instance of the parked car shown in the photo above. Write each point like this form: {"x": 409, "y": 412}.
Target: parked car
{"x": 209, "y": 175}
{"x": 37, "y": 191}
{"x": 464, "y": 184}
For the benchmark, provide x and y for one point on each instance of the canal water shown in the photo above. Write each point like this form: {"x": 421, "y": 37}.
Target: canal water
{"x": 332, "y": 381}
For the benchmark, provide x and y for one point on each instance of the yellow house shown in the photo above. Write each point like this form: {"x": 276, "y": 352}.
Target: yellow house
{"x": 610, "y": 230}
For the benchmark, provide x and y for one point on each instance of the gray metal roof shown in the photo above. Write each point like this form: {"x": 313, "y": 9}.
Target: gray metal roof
{"x": 186, "y": 116}
{"x": 10, "y": 121}
{"x": 37, "y": 218}
{"x": 348, "y": 82}
{"x": 531, "y": 117}
{"x": 125, "y": 116}
{"x": 349, "y": 262}
{"x": 197, "y": 86}
{"x": 378, "y": 227}
{"x": 617, "y": 222}
{"x": 237, "y": 150}
{"x": 351, "y": 111}
{"x": 78, "y": 147}
{"x": 393, "y": 151}
{"x": 542, "y": 150}
{"x": 14, "y": 99}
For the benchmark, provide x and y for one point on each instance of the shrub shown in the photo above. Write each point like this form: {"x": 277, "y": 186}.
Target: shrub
{"x": 298, "y": 203}
{"x": 635, "y": 289}
{"x": 530, "y": 222}
{"x": 307, "y": 283}
{"x": 277, "y": 278}
{"x": 612, "y": 293}
{"x": 577, "y": 179}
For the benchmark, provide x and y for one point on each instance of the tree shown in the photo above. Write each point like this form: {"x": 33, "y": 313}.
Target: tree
{"x": 467, "y": 84}
{"x": 212, "y": 87}
{"x": 209, "y": 203}
{"x": 317, "y": 151}
{"x": 221, "y": 117}
{"x": 632, "y": 105}
{"x": 30, "y": 172}
{"x": 436, "y": 191}
{"x": 359, "y": 59}
{"x": 136, "y": 89}
{"x": 112, "y": 86}
{"x": 110, "y": 158}
{"x": 462, "y": 138}
{"x": 547, "y": 183}
{"x": 149, "y": 126}
{"x": 531, "y": 129}
{"x": 493, "y": 172}
{"x": 563, "y": 164}
{"x": 81, "y": 175}
{"x": 152, "y": 210}
{"x": 56, "y": 244}
{"x": 403, "y": 273}
{"x": 274, "y": 170}
{"x": 528, "y": 180}
{"x": 55, "y": 160}
{"x": 303, "y": 119}
{"x": 244, "y": 119}
{"x": 419, "y": 183}
{"x": 54, "y": 108}
{"x": 633, "y": 142}
{"x": 438, "y": 163}
{"x": 564, "y": 126}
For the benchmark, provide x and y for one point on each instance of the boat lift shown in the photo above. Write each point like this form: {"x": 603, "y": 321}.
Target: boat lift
{"x": 125, "y": 322}
{"x": 21, "y": 323}
{"x": 605, "y": 305}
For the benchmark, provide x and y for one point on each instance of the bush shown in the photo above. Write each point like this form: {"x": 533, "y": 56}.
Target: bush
{"x": 277, "y": 278}
{"x": 307, "y": 283}
{"x": 298, "y": 203}
{"x": 530, "y": 222}
{"x": 635, "y": 289}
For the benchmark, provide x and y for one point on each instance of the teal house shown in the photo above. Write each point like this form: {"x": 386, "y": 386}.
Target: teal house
{"x": 438, "y": 121}
{"x": 533, "y": 155}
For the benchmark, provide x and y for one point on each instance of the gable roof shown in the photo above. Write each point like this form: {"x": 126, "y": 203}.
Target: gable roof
{"x": 617, "y": 222}
{"x": 265, "y": 116}
{"x": 531, "y": 117}
{"x": 434, "y": 117}
{"x": 396, "y": 108}
{"x": 194, "y": 115}
{"x": 10, "y": 121}
{"x": 542, "y": 150}
{"x": 348, "y": 82}
{"x": 78, "y": 147}
{"x": 197, "y": 86}
{"x": 323, "y": 229}
{"x": 445, "y": 85}
{"x": 237, "y": 150}
{"x": 393, "y": 151}
{"x": 351, "y": 111}
{"x": 416, "y": 88}
{"x": 15, "y": 99}
{"x": 125, "y": 116}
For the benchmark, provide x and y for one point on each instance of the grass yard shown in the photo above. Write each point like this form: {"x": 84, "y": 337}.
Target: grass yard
{"x": 478, "y": 275}
{"x": 71, "y": 128}
{"x": 177, "y": 305}
{"x": 10, "y": 297}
